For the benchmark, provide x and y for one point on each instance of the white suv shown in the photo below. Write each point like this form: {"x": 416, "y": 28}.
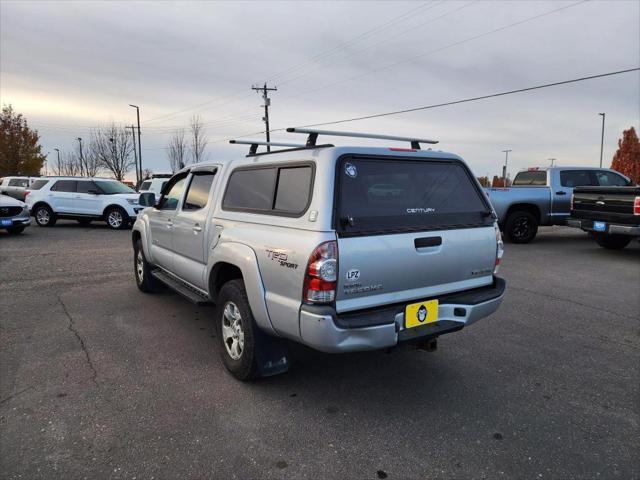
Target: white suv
{"x": 84, "y": 200}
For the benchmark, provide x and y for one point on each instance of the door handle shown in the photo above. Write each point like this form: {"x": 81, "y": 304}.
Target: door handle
{"x": 169, "y": 223}
{"x": 197, "y": 228}
{"x": 561, "y": 193}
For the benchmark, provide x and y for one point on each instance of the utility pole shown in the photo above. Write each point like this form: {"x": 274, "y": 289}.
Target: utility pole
{"x": 504, "y": 169}
{"x": 81, "y": 157}
{"x": 267, "y": 102}
{"x": 135, "y": 155}
{"x": 58, "y": 165}
{"x": 552, "y": 160}
{"x": 139, "y": 144}
{"x": 602, "y": 138}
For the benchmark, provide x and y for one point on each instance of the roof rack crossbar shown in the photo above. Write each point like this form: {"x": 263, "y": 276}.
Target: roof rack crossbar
{"x": 256, "y": 143}
{"x": 313, "y": 136}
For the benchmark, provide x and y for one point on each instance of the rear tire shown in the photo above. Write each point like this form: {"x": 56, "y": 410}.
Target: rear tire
{"x": 142, "y": 271}
{"x": 521, "y": 227}
{"x": 117, "y": 218}
{"x": 612, "y": 242}
{"x": 236, "y": 331}
{"x": 44, "y": 216}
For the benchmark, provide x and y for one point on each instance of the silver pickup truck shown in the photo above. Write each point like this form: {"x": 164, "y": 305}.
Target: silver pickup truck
{"x": 542, "y": 196}
{"x": 339, "y": 248}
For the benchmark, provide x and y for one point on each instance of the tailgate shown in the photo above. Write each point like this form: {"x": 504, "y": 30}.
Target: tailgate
{"x": 614, "y": 204}
{"x": 409, "y": 228}
{"x": 386, "y": 269}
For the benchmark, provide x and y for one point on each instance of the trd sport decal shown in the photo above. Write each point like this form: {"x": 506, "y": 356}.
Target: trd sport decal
{"x": 281, "y": 257}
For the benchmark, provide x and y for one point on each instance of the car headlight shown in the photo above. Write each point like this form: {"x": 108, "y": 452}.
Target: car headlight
{"x": 132, "y": 201}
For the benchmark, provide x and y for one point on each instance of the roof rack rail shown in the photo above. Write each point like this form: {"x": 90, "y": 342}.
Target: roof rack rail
{"x": 256, "y": 143}
{"x": 313, "y": 136}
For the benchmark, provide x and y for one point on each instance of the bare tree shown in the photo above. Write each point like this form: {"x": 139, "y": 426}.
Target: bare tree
{"x": 147, "y": 173}
{"x": 198, "y": 139}
{"x": 177, "y": 151}
{"x": 67, "y": 164}
{"x": 112, "y": 148}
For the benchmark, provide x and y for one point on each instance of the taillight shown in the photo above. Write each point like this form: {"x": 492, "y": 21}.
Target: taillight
{"x": 499, "y": 250}
{"x": 26, "y": 192}
{"x": 321, "y": 277}
{"x": 636, "y": 206}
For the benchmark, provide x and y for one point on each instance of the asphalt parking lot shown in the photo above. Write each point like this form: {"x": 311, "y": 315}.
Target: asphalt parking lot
{"x": 98, "y": 380}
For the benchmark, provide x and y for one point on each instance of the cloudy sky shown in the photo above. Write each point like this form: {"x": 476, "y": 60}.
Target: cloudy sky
{"x": 70, "y": 66}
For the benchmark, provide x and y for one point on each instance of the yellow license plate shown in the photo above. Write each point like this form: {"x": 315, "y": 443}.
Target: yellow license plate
{"x": 421, "y": 313}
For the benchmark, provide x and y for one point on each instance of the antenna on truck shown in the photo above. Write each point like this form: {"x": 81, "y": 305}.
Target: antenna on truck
{"x": 313, "y": 136}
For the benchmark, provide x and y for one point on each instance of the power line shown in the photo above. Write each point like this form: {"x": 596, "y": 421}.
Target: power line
{"x": 439, "y": 49}
{"x": 456, "y": 102}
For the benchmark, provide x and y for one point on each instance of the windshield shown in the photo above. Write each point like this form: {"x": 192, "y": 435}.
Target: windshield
{"x": 110, "y": 187}
{"x": 379, "y": 195}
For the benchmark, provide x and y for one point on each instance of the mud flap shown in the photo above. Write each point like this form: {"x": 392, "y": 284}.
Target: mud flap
{"x": 271, "y": 355}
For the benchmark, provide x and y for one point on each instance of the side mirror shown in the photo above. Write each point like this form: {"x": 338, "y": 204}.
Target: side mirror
{"x": 147, "y": 199}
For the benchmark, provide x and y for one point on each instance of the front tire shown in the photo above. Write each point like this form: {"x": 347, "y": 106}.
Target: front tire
{"x": 236, "y": 331}
{"x": 44, "y": 216}
{"x": 16, "y": 229}
{"x": 116, "y": 218}
{"x": 142, "y": 271}
{"x": 521, "y": 227}
{"x": 612, "y": 242}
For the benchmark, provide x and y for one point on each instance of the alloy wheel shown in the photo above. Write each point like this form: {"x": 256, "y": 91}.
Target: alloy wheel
{"x": 232, "y": 331}
{"x": 115, "y": 219}
{"x": 43, "y": 216}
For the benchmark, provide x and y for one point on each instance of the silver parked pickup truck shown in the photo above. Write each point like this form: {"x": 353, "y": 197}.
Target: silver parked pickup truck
{"x": 542, "y": 196}
{"x": 339, "y": 248}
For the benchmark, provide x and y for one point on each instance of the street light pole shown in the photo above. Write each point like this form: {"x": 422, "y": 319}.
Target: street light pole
{"x": 81, "y": 157}
{"x": 504, "y": 169}
{"x": 552, "y": 160}
{"x": 138, "y": 172}
{"x": 602, "y": 138}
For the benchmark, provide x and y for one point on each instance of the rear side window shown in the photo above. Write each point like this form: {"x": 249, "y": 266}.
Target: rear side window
{"x": 282, "y": 190}
{"x": 198, "y": 193}
{"x": 38, "y": 184}
{"x": 145, "y": 185}
{"x": 19, "y": 182}
{"x": 292, "y": 191}
{"x": 87, "y": 187}
{"x": 380, "y": 195}
{"x": 576, "y": 178}
{"x": 64, "y": 186}
{"x": 251, "y": 189}
{"x": 610, "y": 179}
{"x": 538, "y": 177}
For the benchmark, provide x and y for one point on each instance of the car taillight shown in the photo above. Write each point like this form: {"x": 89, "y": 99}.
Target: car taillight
{"x": 499, "y": 250}
{"x": 320, "y": 280}
{"x": 636, "y": 206}
{"x": 27, "y": 192}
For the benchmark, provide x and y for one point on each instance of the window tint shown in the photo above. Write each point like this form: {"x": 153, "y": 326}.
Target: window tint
{"x": 198, "y": 193}
{"x": 64, "y": 186}
{"x": 575, "y": 178}
{"x": 145, "y": 185}
{"x": 19, "y": 182}
{"x": 38, "y": 184}
{"x": 386, "y": 195}
{"x": 85, "y": 186}
{"x": 610, "y": 179}
{"x": 113, "y": 186}
{"x": 538, "y": 177}
{"x": 171, "y": 199}
{"x": 294, "y": 186}
{"x": 250, "y": 189}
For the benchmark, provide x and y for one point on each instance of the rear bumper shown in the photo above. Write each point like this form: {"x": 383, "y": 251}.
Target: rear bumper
{"x": 323, "y": 329}
{"x": 612, "y": 228}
